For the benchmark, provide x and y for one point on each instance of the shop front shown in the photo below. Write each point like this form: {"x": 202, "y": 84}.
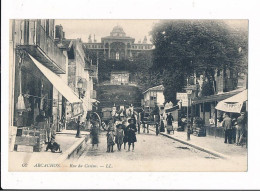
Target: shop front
{"x": 204, "y": 108}
{"x": 39, "y": 97}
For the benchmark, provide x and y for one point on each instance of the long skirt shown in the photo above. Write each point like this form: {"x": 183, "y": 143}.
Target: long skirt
{"x": 94, "y": 139}
{"x": 132, "y": 137}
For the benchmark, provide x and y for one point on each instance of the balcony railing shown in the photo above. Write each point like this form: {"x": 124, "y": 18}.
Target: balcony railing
{"x": 42, "y": 47}
{"x": 118, "y": 83}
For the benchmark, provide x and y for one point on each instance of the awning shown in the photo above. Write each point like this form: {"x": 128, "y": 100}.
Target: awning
{"x": 216, "y": 97}
{"x": 57, "y": 82}
{"x": 233, "y": 104}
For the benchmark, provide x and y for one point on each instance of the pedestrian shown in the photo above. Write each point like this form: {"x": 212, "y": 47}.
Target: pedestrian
{"x": 119, "y": 136}
{"x": 169, "y": 120}
{"x": 125, "y": 139}
{"x": 157, "y": 122}
{"x": 131, "y": 137}
{"x": 94, "y": 134}
{"x": 110, "y": 139}
{"x": 227, "y": 124}
{"x": 162, "y": 124}
{"x": 53, "y": 146}
{"x": 240, "y": 128}
{"x": 233, "y": 131}
{"x": 142, "y": 120}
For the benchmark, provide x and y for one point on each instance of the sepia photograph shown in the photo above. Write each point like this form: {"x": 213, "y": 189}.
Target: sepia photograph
{"x": 128, "y": 95}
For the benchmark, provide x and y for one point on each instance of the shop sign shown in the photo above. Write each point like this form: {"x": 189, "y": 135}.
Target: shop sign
{"x": 68, "y": 111}
{"x": 77, "y": 109}
{"x": 185, "y": 102}
{"x": 232, "y": 107}
{"x": 181, "y": 96}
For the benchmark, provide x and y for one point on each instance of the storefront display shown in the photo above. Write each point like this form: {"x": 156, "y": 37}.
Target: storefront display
{"x": 30, "y": 137}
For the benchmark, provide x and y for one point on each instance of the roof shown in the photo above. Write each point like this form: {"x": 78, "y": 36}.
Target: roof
{"x": 64, "y": 44}
{"x": 155, "y": 88}
{"x": 216, "y": 97}
{"x": 118, "y": 37}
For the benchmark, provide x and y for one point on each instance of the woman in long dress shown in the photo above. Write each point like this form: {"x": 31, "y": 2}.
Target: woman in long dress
{"x": 94, "y": 134}
{"x": 125, "y": 133}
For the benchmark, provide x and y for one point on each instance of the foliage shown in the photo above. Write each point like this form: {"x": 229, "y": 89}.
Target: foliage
{"x": 139, "y": 69}
{"x": 183, "y": 47}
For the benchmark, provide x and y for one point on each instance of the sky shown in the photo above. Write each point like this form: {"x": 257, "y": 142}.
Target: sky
{"x": 82, "y": 28}
{"x": 134, "y": 28}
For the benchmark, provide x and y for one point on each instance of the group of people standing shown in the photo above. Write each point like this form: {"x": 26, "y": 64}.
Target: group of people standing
{"x": 118, "y": 133}
{"x": 235, "y": 130}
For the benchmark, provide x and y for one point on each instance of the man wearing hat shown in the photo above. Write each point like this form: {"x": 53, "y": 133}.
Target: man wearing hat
{"x": 240, "y": 128}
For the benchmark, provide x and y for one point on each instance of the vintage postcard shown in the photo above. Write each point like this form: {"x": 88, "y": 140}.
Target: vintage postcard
{"x": 128, "y": 95}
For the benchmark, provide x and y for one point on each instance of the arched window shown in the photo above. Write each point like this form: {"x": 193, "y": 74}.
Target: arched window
{"x": 117, "y": 55}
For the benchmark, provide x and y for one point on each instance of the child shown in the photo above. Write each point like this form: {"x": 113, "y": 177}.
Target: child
{"x": 119, "y": 136}
{"x": 53, "y": 146}
{"x": 110, "y": 139}
{"x": 131, "y": 129}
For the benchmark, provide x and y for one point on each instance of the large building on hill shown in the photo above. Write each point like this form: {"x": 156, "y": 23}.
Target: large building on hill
{"x": 115, "y": 56}
{"x": 118, "y": 46}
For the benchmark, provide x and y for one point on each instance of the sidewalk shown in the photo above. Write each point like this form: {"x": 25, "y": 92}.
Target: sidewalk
{"x": 209, "y": 144}
{"x": 68, "y": 142}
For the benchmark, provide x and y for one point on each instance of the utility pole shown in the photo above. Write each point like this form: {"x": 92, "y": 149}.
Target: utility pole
{"x": 189, "y": 92}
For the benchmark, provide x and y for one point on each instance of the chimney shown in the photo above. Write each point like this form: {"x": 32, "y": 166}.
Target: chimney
{"x": 89, "y": 39}
{"x": 145, "y": 40}
{"x": 59, "y": 34}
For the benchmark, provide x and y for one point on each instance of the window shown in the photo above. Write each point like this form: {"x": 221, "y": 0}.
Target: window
{"x": 153, "y": 97}
{"x": 117, "y": 56}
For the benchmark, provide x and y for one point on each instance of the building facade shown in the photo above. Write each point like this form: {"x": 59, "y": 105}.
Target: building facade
{"x": 116, "y": 53}
{"x": 80, "y": 70}
{"x": 118, "y": 46}
{"x": 153, "y": 96}
{"x": 38, "y": 76}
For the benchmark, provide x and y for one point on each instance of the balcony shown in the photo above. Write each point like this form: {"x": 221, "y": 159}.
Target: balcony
{"x": 38, "y": 44}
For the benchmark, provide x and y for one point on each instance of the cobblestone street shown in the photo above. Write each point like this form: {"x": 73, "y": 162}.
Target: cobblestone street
{"x": 152, "y": 153}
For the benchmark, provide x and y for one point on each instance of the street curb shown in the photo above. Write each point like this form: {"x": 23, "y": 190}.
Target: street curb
{"x": 72, "y": 149}
{"x": 214, "y": 153}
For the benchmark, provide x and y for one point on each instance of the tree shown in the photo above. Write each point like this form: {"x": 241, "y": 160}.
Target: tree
{"x": 183, "y": 47}
{"x": 143, "y": 73}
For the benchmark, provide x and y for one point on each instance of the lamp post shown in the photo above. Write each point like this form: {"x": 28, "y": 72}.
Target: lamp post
{"x": 79, "y": 85}
{"x": 189, "y": 92}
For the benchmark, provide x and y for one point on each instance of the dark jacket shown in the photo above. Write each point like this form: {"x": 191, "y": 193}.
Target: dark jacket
{"x": 53, "y": 146}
